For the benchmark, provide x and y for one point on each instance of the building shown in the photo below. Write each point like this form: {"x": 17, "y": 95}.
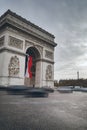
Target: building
{"x": 19, "y": 37}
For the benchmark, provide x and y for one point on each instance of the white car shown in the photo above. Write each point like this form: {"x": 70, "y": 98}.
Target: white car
{"x": 65, "y": 89}
{"x": 77, "y": 88}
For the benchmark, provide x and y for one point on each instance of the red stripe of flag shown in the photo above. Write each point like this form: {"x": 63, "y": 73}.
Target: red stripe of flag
{"x": 29, "y": 66}
{"x": 28, "y": 69}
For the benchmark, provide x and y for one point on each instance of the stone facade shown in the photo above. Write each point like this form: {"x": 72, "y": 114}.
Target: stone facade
{"x": 18, "y": 37}
{"x": 2, "y": 41}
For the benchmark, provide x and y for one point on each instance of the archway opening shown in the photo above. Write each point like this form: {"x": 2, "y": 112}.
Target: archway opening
{"x": 34, "y": 53}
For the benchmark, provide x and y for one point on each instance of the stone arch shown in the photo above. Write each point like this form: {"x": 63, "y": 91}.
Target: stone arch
{"x": 40, "y": 50}
{"x": 36, "y": 56}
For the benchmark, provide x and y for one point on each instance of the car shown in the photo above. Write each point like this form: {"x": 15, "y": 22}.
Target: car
{"x": 17, "y": 89}
{"x": 48, "y": 89}
{"x": 3, "y": 88}
{"x": 27, "y": 91}
{"x": 76, "y": 88}
{"x": 65, "y": 89}
{"x": 36, "y": 92}
{"x": 83, "y": 89}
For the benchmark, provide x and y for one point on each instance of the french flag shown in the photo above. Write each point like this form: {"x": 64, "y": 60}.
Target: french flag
{"x": 28, "y": 66}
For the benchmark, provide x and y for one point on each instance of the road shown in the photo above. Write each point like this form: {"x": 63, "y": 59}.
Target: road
{"x": 60, "y": 111}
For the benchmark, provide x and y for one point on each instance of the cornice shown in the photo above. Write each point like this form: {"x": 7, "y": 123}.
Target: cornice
{"x": 44, "y": 60}
{"x": 11, "y": 77}
{"x": 7, "y": 20}
{"x": 5, "y": 49}
{"x": 25, "y": 21}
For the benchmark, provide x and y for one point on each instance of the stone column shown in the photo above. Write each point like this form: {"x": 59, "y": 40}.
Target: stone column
{"x": 38, "y": 75}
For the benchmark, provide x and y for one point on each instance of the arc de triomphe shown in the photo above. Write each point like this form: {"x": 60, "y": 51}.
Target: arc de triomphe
{"x": 18, "y": 37}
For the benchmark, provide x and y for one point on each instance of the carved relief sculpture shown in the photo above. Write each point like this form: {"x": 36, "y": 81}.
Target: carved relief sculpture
{"x": 1, "y": 41}
{"x": 49, "y": 72}
{"x": 14, "y": 42}
{"x": 48, "y": 54}
{"x": 14, "y": 66}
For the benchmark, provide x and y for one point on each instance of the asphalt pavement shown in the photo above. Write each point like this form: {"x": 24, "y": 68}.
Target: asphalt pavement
{"x": 58, "y": 111}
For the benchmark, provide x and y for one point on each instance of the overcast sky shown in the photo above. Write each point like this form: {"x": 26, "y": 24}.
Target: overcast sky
{"x": 67, "y": 20}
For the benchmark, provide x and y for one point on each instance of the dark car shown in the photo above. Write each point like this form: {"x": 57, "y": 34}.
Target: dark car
{"x": 36, "y": 92}
{"x": 27, "y": 91}
{"x": 48, "y": 89}
{"x": 17, "y": 89}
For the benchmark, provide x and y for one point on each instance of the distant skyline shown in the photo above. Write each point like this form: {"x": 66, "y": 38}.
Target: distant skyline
{"x": 67, "y": 21}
